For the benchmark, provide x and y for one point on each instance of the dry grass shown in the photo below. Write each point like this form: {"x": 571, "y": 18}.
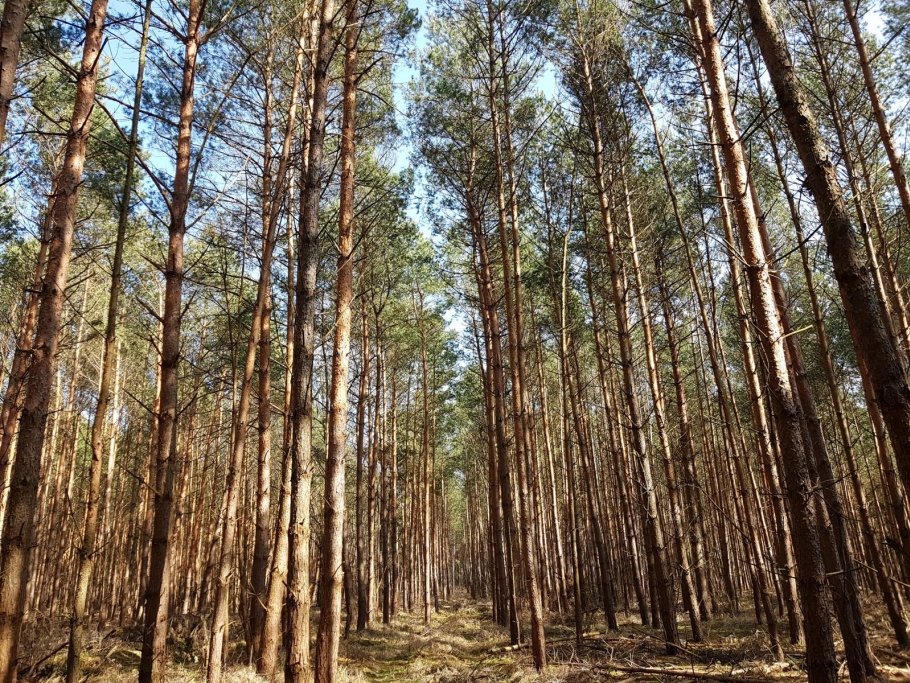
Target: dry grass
{"x": 459, "y": 645}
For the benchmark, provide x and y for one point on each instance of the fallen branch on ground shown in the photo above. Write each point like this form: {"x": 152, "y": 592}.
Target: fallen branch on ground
{"x": 556, "y": 641}
{"x": 724, "y": 678}
{"x": 27, "y": 673}
{"x": 895, "y": 654}
{"x": 665, "y": 642}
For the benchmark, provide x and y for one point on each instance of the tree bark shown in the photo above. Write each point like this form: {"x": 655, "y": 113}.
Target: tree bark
{"x": 258, "y": 325}
{"x": 297, "y": 666}
{"x": 653, "y": 527}
{"x": 12, "y": 27}
{"x": 154, "y": 636}
{"x": 363, "y": 598}
{"x": 326, "y": 659}
{"x": 862, "y": 306}
{"x": 93, "y": 509}
{"x": 19, "y": 525}
{"x": 820, "y": 658}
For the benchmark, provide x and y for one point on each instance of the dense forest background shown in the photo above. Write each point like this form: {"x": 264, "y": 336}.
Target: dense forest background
{"x": 586, "y": 318}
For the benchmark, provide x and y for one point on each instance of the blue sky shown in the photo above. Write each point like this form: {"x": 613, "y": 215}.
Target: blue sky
{"x": 405, "y": 71}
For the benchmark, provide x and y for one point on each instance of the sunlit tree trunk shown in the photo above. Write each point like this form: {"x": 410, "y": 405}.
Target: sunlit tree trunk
{"x": 363, "y": 610}
{"x": 266, "y": 654}
{"x": 88, "y": 551}
{"x": 327, "y": 637}
{"x": 155, "y": 628}
{"x": 653, "y": 527}
{"x": 864, "y": 310}
{"x": 297, "y": 639}
{"x": 19, "y": 524}
{"x": 259, "y": 325}
{"x": 821, "y": 662}
{"x": 679, "y": 538}
{"x": 507, "y": 220}
{"x": 12, "y": 27}
{"x": 510, "y": 532}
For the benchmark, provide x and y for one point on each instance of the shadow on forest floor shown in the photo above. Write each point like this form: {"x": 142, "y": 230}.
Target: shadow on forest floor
{"x": 462, "y": 644}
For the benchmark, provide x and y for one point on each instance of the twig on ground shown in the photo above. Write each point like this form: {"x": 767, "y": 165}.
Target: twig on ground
{"x": 665, "y": 642}
{"x": 31, "y": 670}
{"x": 682, "y": 673}
{"x": 557, "y": 641}
{"x": 895, "y": 654}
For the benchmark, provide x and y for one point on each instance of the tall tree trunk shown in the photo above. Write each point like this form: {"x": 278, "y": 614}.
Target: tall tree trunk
{"x": 571, "y": 489}
{"x": 327, "y": 637}
{"x": 497, "y": 547}
{"x": 93, "y": 494}
{"x": 511, "y": 264}
{"x": 604, "y": 566}
{"x": 820, "y": 658}
{"x": 363, "y": 609}
{"x": 835, "y": 545}
{"x": 259, "y": 325}
{"x": 376, "y": 446}
{"x": 680, "y": 540}
{"x": 261, "y": 542}
{"x": 612, "y": 418}
{"x": 500, "y": 491}
{"x": 685, "y": 441}
{"x": 297, "y": 666}
{"x": 425, "y": 513}
{"x": 387, "y": 511}
{"x": 753, "y": 547}
{"x": 393, "y": 502}
{"x": 525, "y": 454}
{"x": 19, "y": 525}
{"x": 12, "y": 398}
{"x": 653, "y": 528}
{"x": 154, "y": 636}
{"x": 561, "y": 598}
{"x": 148, "y": 501}
{"x": 12, "y": 27}
{"x": 864, "y": 310}
{"x": 266, "y": 655}
{"x": 498, "y": 400}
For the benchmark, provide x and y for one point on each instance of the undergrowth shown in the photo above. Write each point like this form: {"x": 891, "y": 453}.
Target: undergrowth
{"x": 462, "y": 644}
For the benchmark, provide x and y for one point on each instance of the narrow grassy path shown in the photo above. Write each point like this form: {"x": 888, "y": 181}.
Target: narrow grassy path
{"x": 455, "y": 646}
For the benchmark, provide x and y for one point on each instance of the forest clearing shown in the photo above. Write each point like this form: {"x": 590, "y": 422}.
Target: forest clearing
{"x": 454, "y": 340}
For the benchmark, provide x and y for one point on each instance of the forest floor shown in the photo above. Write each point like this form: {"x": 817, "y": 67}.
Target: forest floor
{"x": 463, "y": 644}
